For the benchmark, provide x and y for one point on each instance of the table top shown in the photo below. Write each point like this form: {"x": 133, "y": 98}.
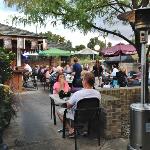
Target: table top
{"x": 57, "y": 100}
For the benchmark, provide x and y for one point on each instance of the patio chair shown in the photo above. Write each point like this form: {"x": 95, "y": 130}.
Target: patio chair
{"x": 87, "y": 111}
{"x": 46, "y": 83}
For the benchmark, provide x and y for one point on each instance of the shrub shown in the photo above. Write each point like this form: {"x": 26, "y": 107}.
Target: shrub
{"x": 6, "y": 106}
{"x": 6, "y": 58}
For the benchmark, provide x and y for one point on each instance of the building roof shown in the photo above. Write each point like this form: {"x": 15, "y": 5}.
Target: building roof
{"x": 6, "y": 30}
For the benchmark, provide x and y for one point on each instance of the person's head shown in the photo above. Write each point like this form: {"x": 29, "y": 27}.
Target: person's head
{"x": 114, "y": 66}
{"x": 122, "y": 69}
{"x": 60, "y": 77}
{"x": 97, "y": 61}
{"x": 59, "y": 69}
{"x": 25, "y": 63}
{"x": 75, "y": 59}
{"x": 88, "y": 80}
{"x": 139, "y": 68}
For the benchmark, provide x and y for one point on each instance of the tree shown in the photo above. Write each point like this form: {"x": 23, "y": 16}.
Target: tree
{"x": 89, "y": 15}
{"x": 109, "y": 44}
{"x": 79, "y": 47}
{"x": 53, "y": 37}
{"x": 6, "y": 57}
{"x": 95, "y": 41}
{"x": 57, "y": 41}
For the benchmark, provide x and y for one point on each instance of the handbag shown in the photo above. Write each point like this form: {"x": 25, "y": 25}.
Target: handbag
{"x": 62, "y": 94}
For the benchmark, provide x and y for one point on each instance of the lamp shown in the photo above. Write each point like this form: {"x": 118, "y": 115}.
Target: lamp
{"x": 97, "y": 47}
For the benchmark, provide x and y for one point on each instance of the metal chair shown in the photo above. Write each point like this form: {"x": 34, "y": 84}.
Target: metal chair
{"x": 87, "y": 111}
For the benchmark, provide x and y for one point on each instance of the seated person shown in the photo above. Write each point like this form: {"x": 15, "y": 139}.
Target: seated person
{"x": 54, "y": 74}
{"x": 27, "y": 71}
{"x": 86, "y": 92}
{"x": 136, "y": 79}
{"x": 68, "y": 69}
{"x": 61, "y": 84}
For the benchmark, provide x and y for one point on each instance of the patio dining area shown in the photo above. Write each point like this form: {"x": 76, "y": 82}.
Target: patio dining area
{"x": 34, "y": 129}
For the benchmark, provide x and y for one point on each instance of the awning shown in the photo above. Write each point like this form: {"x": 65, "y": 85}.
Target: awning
{"x": 54, "y": 52}
{"x": 87, "y": 51}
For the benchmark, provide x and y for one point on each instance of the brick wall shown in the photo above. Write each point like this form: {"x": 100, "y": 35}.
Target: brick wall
{"x": 115, "y": 112}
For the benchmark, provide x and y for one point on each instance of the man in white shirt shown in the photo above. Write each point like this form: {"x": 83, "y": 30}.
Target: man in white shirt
{"x": 86, "y": 92}
{"x": 27, "y": 67}
{"x": 115, "y": 70}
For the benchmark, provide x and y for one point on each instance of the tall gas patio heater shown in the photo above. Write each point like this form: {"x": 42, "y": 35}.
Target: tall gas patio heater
{"x": 140, "y": 112}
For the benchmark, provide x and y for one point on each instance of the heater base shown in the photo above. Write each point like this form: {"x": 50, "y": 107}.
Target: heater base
{"x": 130, "y": 148}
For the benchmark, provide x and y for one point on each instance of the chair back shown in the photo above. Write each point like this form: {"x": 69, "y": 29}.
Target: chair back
{"x": 87, "y": 109}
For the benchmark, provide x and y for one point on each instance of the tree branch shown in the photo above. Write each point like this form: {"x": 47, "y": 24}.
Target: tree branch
{"x": 114, "y": 33}
{"x": 116, "y": 9}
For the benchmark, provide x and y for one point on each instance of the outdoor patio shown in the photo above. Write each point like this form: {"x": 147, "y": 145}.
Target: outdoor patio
{"x": 34, "y": 130}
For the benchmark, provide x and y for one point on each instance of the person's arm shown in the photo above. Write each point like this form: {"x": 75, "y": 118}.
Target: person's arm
{"x": 69, "y": 105}
{"x": 55, "y": 88}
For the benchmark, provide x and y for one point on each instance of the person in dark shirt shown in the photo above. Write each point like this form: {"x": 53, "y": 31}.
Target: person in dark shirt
{"x": 77, "y": 69}
{"x": 98, "y": 71}
{"x": 121, "y": 77}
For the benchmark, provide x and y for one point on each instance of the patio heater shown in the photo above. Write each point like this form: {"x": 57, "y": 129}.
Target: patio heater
{"x": 140, "y": 112}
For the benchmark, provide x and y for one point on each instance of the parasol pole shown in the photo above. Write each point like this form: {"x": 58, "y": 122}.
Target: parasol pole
{"x": 93, "y": 56}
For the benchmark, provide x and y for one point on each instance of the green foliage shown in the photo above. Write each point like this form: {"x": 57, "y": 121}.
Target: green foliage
{"x": 6, "y": 57}
{"x": 6, "y": 109}
{"x": 98, "y": 57}
{"x": 95, "y": 41}
{"x": 85, "y": 60}
{"x": 79, "y": 47}
{"x": 53, "y": 37}
{"x": 58, "y": 41}
{"x": 86, "y": 15}
{"x": 109, "y": 44}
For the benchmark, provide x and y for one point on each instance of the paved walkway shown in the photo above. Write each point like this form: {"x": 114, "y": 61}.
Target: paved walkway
{"x": 34, "y": 130}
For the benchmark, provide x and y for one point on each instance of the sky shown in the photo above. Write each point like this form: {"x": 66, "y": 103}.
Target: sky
{"x": 75, "y": 37}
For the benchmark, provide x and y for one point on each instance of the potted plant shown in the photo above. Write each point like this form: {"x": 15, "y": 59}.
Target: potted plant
{"x": 6, "y": 96}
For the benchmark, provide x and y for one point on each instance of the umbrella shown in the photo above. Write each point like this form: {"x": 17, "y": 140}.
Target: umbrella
{"x": 87, "y": 51}
{"x": 54, "y": 52}
{"x": 119, "y": 49}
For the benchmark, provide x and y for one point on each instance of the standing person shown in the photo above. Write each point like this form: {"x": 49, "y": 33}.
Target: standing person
{"x": 77, "y": 69}
{"x": 114, "y": 71}
{"x": 122, "y": 77}
{"x": 98, "y": 71}
{"x": 114, "y": 77}
{"x": 86, "y": 92}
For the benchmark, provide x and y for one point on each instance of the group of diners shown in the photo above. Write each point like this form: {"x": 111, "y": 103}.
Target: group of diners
{"x": 68, "y": 78}
{"x": 104, "y": 77}
{"x": 87, "y": 91}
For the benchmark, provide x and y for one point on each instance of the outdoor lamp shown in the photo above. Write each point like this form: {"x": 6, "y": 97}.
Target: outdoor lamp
{"x": 140, "y": 112}
{"x": 97, "y": 47}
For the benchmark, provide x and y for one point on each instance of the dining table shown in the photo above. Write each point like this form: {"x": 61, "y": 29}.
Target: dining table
{"x": 56, "y": 101}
